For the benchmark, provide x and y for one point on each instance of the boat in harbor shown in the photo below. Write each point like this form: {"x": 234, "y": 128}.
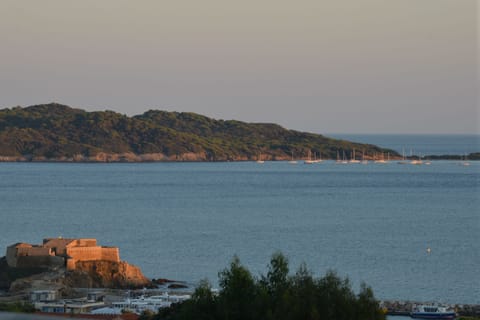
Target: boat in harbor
{"x": 379, "y": 159}
{"x": 364, "y": 160}
{"x": 143, "y": 303}
{"x": 293, "y": 161}
{"x": 465, "y": 161}
{"x": 309, "y": 159}
{"x": 432, "y": 312}
{"x": 417, "y": 161}
{"x": 353, "y": 159}
{"x": 338, "y": 158}
{"x": 259, "y": 159}
{"x": 344, "y": 158}
{"x": 404, "y": 160}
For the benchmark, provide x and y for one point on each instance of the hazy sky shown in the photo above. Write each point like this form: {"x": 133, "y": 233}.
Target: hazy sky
{"x": 361, "y": 66}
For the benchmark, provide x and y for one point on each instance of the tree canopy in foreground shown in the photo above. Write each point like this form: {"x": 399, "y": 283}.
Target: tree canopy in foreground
{"x": 276, "y": 295}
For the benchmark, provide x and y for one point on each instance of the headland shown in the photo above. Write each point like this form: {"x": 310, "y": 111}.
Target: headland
{"x": 55, "y": 132}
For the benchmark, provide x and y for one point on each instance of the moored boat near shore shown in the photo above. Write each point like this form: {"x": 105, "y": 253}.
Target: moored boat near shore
{"x": 432, "y": 312}
{"x": 143, "y": 303}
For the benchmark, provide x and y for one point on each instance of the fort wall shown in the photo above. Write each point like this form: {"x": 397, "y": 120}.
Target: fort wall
{"x": 39, "y": 262}
{"x": 58, "y": 245}
{"x": 59, "y": 251}
{"x": 11, "y": 255}
{"x": 25, "y": 250}
{"x": 91, "y": 253}
{"x": 83, "y": 243}
{"x": 34, "y": 251}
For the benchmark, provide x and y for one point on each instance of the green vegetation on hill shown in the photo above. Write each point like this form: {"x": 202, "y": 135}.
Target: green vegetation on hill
{"x": 58, "y": 132}
{"x": 277, "y": 295}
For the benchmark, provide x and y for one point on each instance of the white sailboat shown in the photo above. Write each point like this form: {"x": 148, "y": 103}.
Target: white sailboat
{"x": 338, "y": 158}
{"x": 353, "y": 160}
{"x": 344, "y": 158}
{"x": 464, "y": 162}
{"x": 403, "y": 157}
{"x": 364, "y": 161}
{"x": 319, "y": 159}
{"x": 292, "y": 161}
{"x": 259, "y": 159}
{"x": 417, "y": 161}
{"x": 380, "y": 160}
{"x": 309, "y": 160}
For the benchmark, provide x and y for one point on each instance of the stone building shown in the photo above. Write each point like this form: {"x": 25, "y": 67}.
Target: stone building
{"x": 59, "y": 252}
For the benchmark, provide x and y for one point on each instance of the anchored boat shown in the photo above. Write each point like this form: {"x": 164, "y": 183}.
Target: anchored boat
{"x": 432, "y": 312}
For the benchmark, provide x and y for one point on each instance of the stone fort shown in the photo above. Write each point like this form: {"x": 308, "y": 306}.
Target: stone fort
{"x": 59, "y": 252}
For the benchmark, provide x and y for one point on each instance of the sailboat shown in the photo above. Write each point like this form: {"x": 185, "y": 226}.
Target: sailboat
{"x": 380, "y": 160}
{"x": 353, "y": 160}
{"x": 338, "y": 158}
{"x": 319, "y": 159}
{"x": 309, "y": 160}
{"x": 364, "y": 161}
{"x": 292, "y": 161}
{"x": 403, "y": 157}
{"x": 464, "y": 162}
{"x": 344, "y": 158}
{"x": 417, "y": 161}
{"x": 259, "y": 160}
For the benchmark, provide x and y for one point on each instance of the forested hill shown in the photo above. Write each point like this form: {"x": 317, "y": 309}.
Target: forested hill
{"x": 58, "y": 132}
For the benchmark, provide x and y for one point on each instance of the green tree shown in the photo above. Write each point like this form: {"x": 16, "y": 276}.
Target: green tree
{"x": 304, "y": 304}
{"x": 277, "y": 284}
{"x": 238, "y": 290}
{"x": 367, "y": 306}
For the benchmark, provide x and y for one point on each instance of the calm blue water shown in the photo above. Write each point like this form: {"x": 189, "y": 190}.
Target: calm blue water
{"x": 185, "y": 221}
{"x": 424, "y": 144}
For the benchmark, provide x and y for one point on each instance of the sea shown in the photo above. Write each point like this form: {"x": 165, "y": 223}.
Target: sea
{"x": 411, "y": 232}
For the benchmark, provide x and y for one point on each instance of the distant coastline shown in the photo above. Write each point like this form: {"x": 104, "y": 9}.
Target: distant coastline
{"x": 58, "y": 133}
{"x": 54, "y": 132}
{"x": 149, "y": 158}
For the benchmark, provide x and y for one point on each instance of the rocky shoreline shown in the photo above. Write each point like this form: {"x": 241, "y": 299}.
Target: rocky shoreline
{"x": 193, "y": 157}
{"x": 152, "y": 157}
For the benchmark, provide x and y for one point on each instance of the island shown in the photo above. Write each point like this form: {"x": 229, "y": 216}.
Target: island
{"x": 55, "y": 132}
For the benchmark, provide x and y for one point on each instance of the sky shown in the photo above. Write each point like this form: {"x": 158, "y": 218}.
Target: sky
{"x": 353, "y": 66}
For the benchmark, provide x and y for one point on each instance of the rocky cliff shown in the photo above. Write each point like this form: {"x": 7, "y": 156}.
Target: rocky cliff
{"x": 105, "y": 274}
{"x": 88, "y": 274}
